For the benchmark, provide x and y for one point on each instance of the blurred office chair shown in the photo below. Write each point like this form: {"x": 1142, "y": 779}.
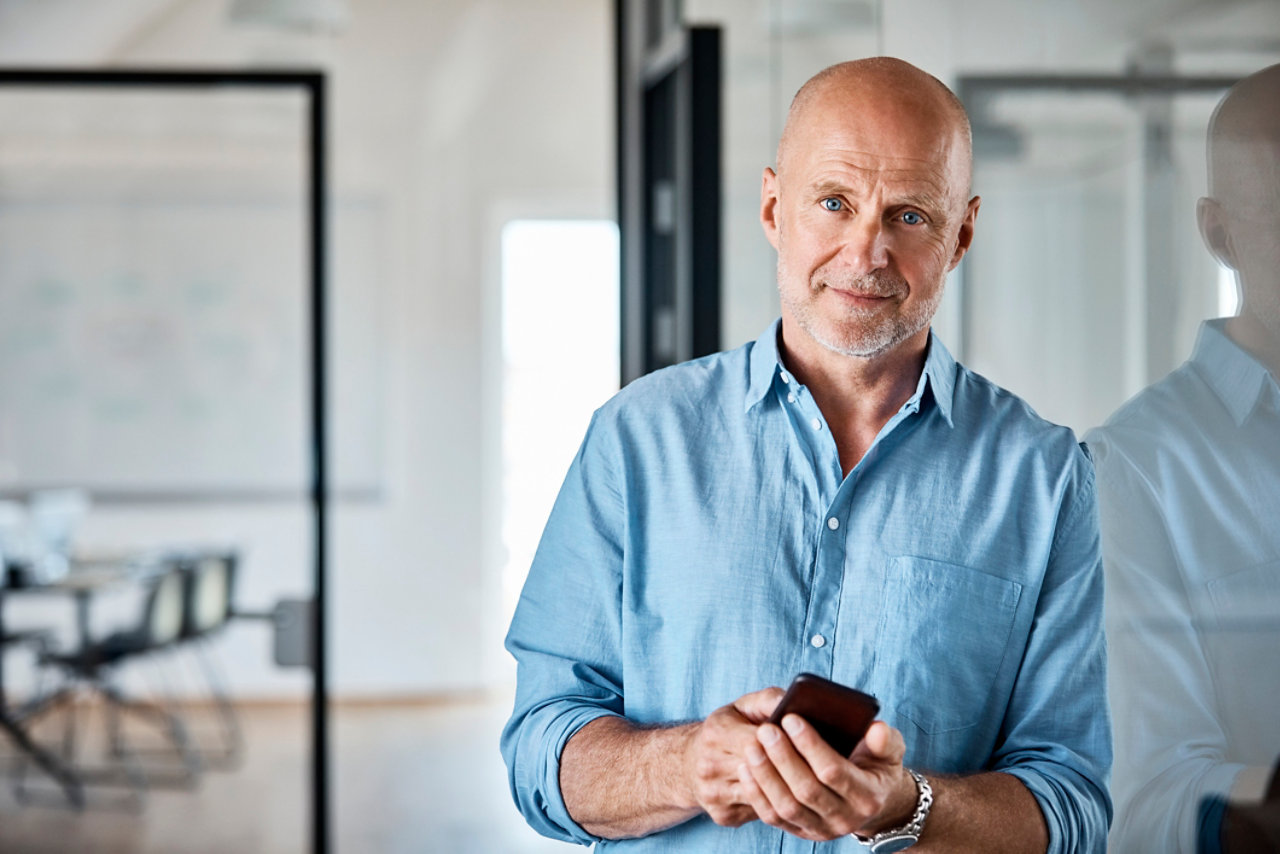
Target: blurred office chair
{"x": 40, "y": 640}
{"x": 93, "y": 669}
{"x": 11, "y": 714}
{"x": 208, "y": 588}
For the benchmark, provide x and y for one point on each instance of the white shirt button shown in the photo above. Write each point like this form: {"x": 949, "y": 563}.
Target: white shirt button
{"x": 791, "y": 398}
{"x": 818, "y": 641}
{"x": 833, "y": 523}
{"x": 817, "y": 423}
{"x": 785, "y": 377}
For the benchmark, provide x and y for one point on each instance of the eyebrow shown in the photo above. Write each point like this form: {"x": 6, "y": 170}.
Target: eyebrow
{"x": 924, "y": 200}
{"x": 826, "y": 188}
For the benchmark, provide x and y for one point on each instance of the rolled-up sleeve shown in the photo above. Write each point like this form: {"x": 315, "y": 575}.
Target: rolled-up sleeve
{"x": 1057, "y": 737}
{"x": 566, "y": 637}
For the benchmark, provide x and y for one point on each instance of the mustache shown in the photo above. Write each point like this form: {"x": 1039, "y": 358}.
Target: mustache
{"x": 879, "y": 283}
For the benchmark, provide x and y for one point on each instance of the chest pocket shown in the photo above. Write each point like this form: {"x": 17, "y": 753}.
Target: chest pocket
{"x": 943, "y": 635}
{"x": 1240, "y": 640}
{"x": 1247, "y": 599}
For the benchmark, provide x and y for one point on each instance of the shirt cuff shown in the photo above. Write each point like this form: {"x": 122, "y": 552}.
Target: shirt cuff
{"x": 542, "y": 802}
{"x": 1076, "y": 813}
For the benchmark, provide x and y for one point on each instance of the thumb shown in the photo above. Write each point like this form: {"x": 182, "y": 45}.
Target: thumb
{"x": 759, "y": 705}
{"x": 882, "y": 743}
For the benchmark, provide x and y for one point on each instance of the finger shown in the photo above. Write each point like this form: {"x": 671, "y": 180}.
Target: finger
{"x": 760, "y": 804}
{"x": 810, "y": 744}
{"x": 736, "y": 816}
{"x": 832, "y": 770}
{"x": 759, "y": 705}
{"x": 789, "y": 782}
{"x": 717, "y": 772}
{"x": 882, "y": 744}
{"x": 727, "y": 732}
{"x": 849, "y": 794}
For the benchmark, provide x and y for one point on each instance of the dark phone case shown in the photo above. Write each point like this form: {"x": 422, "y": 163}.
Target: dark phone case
{"x": 840, "y": 714}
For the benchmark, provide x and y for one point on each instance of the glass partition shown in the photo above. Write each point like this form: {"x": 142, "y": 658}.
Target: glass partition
{"x": 159, "y": 522}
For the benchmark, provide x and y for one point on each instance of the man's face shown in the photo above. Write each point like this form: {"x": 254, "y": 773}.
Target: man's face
{"x": 868, "y": 215}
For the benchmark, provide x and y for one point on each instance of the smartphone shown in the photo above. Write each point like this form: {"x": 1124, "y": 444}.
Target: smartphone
{"x": 839, "y": 713}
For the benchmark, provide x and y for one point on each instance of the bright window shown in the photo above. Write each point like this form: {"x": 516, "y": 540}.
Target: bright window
{"x": 1228, "y": 292}
{"x": 560, "y": 362}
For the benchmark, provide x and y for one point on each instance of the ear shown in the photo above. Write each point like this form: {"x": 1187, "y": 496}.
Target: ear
{"x": 769, "y": 205}
{"x": 1213, "y": 229}
{"x": 965, "y": 237}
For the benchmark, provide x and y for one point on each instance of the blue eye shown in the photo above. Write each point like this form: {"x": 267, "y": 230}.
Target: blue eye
{"x": 912, "y": 218}
{"x": 833, "y": 204}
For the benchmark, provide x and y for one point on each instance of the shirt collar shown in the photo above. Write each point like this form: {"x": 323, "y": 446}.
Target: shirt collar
{"x": 1236, "y": 378}
{"x": 940, "y": 369}
{"x": 765, "y": 364}
{"x": 938, "y": 376}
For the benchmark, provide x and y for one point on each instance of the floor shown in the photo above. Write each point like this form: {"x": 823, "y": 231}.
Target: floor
{"x": 407, "y": 778}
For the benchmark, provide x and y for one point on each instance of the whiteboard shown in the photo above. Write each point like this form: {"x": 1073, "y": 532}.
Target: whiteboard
{"x": 154, "y": 299}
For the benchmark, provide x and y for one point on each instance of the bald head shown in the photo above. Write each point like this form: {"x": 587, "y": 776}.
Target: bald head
{"x": 874, "y": 88}
{"x": 1244, "y": 145}
{"x": 1241, "y": 217}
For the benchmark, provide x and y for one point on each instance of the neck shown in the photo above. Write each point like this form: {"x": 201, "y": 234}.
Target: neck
{"x": 857, "y": 396}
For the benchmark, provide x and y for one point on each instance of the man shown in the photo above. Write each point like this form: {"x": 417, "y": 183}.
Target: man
{"x": 1189, "y": 486}
{"x": 838, "y": 497}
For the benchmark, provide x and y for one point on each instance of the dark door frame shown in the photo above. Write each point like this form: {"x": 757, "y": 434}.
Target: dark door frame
{"x": 669, "y": 185}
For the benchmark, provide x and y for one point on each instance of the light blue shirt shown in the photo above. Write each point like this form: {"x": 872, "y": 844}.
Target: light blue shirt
{"x": 705, "y": 544}
{"x": 1189, "y": 485}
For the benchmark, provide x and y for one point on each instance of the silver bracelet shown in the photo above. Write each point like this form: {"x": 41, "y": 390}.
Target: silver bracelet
{"x": 902, "y": 838}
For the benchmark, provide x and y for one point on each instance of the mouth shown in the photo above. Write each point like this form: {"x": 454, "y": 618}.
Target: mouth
{"x": 861, "y": 299}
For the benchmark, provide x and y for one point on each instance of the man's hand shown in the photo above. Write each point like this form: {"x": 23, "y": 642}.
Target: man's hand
{"x": 619, "y": 780}
{"x": 793, "y": 780}
{"x": 716, "y": 751}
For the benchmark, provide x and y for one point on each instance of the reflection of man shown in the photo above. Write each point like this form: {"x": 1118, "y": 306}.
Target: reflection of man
{"x": 1189, "y": 485}
{"x": 838, "y": 497}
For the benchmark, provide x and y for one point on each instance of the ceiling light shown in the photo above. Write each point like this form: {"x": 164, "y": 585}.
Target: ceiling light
{"x": 328, "y": 15}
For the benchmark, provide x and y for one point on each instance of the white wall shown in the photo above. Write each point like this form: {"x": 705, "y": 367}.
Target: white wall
{"x": 446, "y": 115}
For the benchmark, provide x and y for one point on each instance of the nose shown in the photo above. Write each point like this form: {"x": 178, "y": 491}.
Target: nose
{"x": 865, "y": 247}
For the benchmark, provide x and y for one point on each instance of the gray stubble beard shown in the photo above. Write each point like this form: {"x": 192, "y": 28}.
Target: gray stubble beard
{"x": 865, "y": 343}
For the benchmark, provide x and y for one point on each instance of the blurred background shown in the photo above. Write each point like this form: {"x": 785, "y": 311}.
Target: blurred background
{"x": 483, "y": 298}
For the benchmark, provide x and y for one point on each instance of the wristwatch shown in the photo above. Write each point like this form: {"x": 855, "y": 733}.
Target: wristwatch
{"x": 902, "y": 838}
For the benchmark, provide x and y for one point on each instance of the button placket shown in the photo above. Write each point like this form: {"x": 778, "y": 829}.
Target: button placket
{"x": 818, "y": 640}
{"x": 825, "y": 595}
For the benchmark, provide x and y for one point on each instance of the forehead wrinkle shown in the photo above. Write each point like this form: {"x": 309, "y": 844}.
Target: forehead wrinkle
{"x": 832, "y": 158}
{"x": 834, "y": 149}
{"x": 924, "y": 185}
